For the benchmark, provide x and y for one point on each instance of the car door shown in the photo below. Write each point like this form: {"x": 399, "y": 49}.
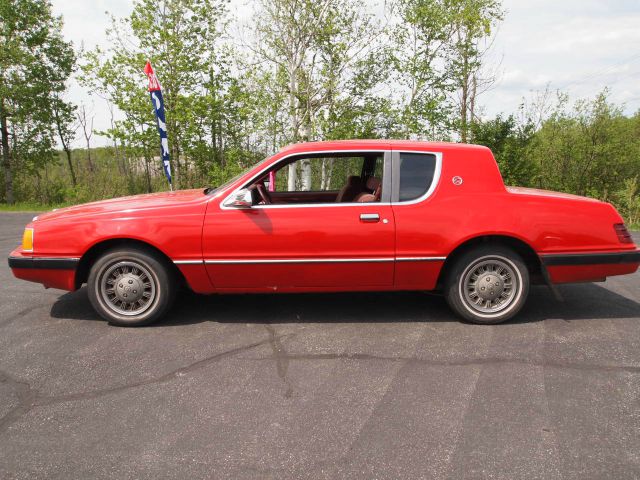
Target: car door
{"x": 301, "y": 246}
{"x": 421, "y": 224}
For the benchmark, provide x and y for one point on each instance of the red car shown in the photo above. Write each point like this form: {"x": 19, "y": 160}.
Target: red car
{"x": 359, "y": 215}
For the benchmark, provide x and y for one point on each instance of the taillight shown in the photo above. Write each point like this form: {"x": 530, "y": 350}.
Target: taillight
{"x": 623, "y": 234}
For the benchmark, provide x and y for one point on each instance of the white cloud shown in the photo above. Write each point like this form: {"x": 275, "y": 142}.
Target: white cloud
{"x": 580, "y": 46}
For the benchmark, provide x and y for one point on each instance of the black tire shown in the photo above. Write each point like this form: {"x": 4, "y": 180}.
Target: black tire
{"x": 141, "y": 276}
{"x": 497, "y": 293}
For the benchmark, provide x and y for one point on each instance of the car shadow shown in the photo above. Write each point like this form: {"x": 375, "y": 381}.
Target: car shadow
{"x": 580, "y": 302}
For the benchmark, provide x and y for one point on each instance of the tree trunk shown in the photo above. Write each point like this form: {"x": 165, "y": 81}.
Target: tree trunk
{"x": 292, "y": 176}
{"x": 89, "y": 161}
{"x": 472, "y": 106}
{"x": 305, "y": 165}
{"x": 323, "y": 175}
{"x": 65, "y": 146}
{"x": 463, "y": 110}
{"x": 6, "y": 158}
{"x": 293, "y": 113}
{"x": 147, "y": 171}
{"x": 305, "y": 177}
{"x": 67, "y": 152}
{"x": 176, "y": 171}
{"x": 39, "y": 195}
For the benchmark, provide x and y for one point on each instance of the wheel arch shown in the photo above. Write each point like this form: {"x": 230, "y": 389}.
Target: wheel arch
{"x": 97, "y": 249}
{"x": 521, "y": 247}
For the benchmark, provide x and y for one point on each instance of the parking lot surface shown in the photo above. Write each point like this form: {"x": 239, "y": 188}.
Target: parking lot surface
{"x": 328, "y": 386}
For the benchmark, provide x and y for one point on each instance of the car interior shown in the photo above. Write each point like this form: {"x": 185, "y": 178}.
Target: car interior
{"x": 339, "y": 178}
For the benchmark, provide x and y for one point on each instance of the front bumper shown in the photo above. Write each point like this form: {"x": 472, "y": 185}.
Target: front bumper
{"x": 48, "y": 263}
{"x": 52, "y": 272}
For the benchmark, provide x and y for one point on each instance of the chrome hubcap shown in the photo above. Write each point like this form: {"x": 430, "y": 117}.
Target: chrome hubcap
{"x": 489, "y": 286}
{"x": 128, "y": 287}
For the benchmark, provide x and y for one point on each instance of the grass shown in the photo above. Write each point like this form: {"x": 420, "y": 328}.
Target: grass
{"x": 28, "y": 207}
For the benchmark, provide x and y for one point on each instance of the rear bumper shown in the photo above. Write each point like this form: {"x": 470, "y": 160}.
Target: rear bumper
{"x": 52, "y": 272}
{"x": 608, "y": 258}
{"x": 590, "y": 266}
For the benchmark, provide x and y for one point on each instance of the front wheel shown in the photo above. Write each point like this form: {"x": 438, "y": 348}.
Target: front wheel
{"x": 487, "y": 285}
{"x": 130, "y": 287}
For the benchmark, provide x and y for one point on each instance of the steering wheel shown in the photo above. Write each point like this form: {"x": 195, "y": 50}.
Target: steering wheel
{"x": 264, "y": 195}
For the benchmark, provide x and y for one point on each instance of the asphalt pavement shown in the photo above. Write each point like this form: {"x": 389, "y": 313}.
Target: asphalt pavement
{"x": 384, "y": 386}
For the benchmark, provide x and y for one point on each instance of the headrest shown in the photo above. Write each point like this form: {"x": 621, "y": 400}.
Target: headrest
{"x": 354, "y": 180}
{"x": 373, "y": 183}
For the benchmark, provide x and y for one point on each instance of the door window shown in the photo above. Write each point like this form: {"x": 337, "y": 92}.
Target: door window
{"x": 416, "y": 175}
{"x": 330, "y": 178}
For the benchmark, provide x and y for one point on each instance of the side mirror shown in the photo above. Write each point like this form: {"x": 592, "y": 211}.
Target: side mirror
{"x": 240, "y": 199}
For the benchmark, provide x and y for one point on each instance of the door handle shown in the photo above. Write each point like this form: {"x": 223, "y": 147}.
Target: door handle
{"x": 369, "y": 217}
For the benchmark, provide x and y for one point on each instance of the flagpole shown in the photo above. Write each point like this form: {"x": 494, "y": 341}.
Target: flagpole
{"x": 155, "y": 92}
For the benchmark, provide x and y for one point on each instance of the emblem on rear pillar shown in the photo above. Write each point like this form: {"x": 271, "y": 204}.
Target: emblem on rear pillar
{"x": 457, "y": 180}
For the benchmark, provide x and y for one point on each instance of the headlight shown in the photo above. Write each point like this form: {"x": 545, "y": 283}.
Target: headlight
{"x": 27, "y": 240}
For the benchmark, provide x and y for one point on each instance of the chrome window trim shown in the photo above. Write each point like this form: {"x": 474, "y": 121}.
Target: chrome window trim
{"x": 387, "y": 178}
{"x": 395, "y": 193}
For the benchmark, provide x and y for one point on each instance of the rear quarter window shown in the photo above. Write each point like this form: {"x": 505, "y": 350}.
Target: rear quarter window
{"x": 416, "y": 175}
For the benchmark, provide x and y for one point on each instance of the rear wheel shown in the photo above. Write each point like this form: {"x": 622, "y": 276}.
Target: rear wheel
{"x": 130, "y": 287}
{"x": 487, "y": 285}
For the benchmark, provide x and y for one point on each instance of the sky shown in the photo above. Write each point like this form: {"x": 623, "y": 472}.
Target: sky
{"x": 578, "y": 46}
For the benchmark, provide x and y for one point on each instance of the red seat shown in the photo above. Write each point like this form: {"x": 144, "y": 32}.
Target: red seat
{"x": 349, "y": 192}
{"x": 373, "y": 189}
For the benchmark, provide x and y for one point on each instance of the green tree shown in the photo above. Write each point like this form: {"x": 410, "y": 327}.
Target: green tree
{"x": 589, "y": 148}
{"x": 421, "y": 77}
{"x": 182, "y": 38}
{"x": 318, "y": 61}
{"x": 510, "y": 143}
{"x": 474, "y": 22}
{"x": 66, "y": 127}
{"x": 438, "y": 51}
{"x": 35, "y": 63}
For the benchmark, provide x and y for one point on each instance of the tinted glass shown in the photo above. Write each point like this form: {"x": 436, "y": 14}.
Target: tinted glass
{"x": 416, "y": 174}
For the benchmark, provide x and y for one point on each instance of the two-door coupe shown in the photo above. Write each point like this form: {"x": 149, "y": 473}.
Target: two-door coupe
{"x": 359, "y": 215}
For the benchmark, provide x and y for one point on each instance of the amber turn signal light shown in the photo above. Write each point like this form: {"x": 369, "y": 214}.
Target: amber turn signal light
{"x": 27, "y": 240}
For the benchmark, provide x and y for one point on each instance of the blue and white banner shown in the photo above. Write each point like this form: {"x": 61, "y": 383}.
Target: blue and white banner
{"x": 158, "y": 107}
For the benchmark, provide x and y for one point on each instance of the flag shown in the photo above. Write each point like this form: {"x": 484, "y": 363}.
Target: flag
{"x": 158, "y": 108}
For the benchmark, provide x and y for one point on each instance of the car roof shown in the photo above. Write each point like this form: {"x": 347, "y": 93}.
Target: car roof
{"x": 375, "y": 144}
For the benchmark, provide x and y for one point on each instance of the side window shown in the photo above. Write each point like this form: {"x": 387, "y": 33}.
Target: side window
{"x": 318, "y": 174}
{"x": 416, "y": 175}
{"x": 334, "y": 177}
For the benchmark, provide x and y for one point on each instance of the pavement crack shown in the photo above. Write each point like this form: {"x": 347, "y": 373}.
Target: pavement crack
{"x": 21, "y": 313}
{"x": 26, "y": 398}
{"x": 29, "y": 398}
{"x": 282, "y": 359}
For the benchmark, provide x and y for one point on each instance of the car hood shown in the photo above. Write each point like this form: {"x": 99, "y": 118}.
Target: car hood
{"x": 548, "y": 194}
{"x": 129, "y": 204}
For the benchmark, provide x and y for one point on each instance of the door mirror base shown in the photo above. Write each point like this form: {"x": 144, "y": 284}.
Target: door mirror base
{"x": 240, "y": 199}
